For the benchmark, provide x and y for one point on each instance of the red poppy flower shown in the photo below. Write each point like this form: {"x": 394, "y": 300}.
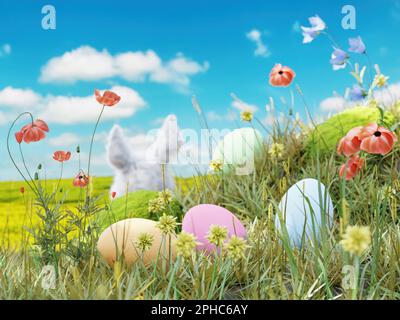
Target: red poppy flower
{"x": 281, "y": 76}
{"x": 377, "y": 139}
{"x": 113, "y": 194}
{"x": 61, "y": 156}
{"x": 81, "y": 180}
{"x": 350, "y": 143}
{"x": 351, "y": 168}
{"x": 108, "y": 98}
{"x": 22, "y": 190}
{"x": 32, "y": 132}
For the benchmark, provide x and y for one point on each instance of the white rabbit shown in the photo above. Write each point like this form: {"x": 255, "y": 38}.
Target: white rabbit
{"x": 142, "y": 169}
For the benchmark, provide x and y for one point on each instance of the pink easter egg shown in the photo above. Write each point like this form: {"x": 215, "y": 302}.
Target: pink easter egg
{"x": 200, "y": 218}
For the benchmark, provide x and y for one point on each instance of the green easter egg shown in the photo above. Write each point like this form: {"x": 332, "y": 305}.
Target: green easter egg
{"x": 136, "y": 206}
{"x": 326, "y": 136}
{"x": 239, "y": 149}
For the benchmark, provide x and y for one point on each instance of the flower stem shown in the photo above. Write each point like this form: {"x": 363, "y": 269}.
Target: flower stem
{"x": 26, "y": 168}
{"x": 92, "y": 139}
{"x": 9, "y": 151}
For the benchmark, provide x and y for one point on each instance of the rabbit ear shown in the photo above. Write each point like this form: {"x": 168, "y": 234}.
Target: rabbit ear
{"x": 168, "y": 141}
{"x": 118, "y": 151}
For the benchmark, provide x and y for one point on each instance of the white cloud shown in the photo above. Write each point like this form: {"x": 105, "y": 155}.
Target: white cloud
{"x": 88, "y": 64}
{"x": 241, "y": 105}
{"x": 333, "y": 104}
{"x": 84, "y": 63}
{"x": 261, "y": 48}
{"x": 66, "y": 139}
{"x": 3, "y": 118}
{"x": 5, "y": 50}
{"x": 178, "y": 70}
{"x": 134, "y": 66}
{"x": 388, "y": 95}
{"x": 72, "y": 109}
{"x": 18, "y": 98}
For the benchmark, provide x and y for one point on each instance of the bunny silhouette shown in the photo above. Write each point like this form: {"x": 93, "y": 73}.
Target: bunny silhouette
{"x": 142, "y": 170}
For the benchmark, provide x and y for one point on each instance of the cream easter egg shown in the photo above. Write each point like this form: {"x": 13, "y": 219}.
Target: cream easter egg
{"x": 305, "y": 208}
{"x": 122, "y": 237}
{"x": 239, "y": 149}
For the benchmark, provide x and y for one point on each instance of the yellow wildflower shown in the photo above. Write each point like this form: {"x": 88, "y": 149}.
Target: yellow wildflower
{"x": 235, "y": 248}
{"x": 356, "y": 239}
{"x": 217, "y": 235}
{"x": 185, "y": 244}
{"x": 144, "y": 241}
{"x": 167, "y": 224}
{"x": 276, "y": 150}
{"x": 216, "y": 165}
{"x": 246, "y": 116}
{"x": 381, "y": 80}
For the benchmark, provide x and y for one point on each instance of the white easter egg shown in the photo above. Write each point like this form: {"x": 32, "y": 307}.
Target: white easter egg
{"x": 121, "y": 238}
{"x": 303, "y": 208}
{"x": 239, "y": 149}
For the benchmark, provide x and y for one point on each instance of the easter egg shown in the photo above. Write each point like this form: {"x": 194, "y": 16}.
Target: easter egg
{"x": 239, "y": 149}
{"x": 122, "y": 237}
{"x": 325, "y": 137}
{"x": 135, "y": 206}
{"x": 200, "y": 218}
{"x": 304, "y": 208}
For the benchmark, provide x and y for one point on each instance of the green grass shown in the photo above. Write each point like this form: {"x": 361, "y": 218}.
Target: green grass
{"x": 326, "y": 136}
{"x": 270, "y": 269}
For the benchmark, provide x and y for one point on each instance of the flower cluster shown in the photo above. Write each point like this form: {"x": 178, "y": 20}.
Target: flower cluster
{"x": 144, "y": 241}
{"x": 356, "y": 239}
{"x": 159, "y": 204}
{"x": 373, "y": 139}
{"x": 235, "y": 248}
{"x": 185, "y": 244}
{"x": 276, "y": 150}
{"x": 217, "y": 235}
{"x": 167, "y": 224}
{"x": 164, "y": 204}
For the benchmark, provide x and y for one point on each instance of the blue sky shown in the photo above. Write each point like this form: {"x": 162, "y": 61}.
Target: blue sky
{"x": 206, "y": 42}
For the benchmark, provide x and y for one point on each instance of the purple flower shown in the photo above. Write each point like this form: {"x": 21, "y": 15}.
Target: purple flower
{"x": 310, "y": 33}
{"x": 357, "y": 45}
{"x": 357, "y": 93}
{"x": 339, "y": 59}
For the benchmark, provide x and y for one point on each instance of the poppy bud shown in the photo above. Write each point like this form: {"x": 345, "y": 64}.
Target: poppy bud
{"x": 78, "y": 149}
{"x": 39, "y": 166}
{"x": 36, "y": 176}
{"x": 113, "y": 194}
{"x": 22, "y": 190}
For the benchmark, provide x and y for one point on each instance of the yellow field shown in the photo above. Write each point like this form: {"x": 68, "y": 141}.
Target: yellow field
{"x": 17, "y": 211}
